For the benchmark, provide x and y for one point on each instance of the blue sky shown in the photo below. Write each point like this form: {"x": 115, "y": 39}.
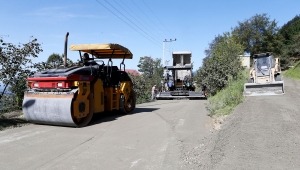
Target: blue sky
{"x": 194, "y": 23}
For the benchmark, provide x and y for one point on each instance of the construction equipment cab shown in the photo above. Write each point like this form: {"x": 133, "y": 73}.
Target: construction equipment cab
{"x": 71, "y": 96}
{"x": 265, "y": 76}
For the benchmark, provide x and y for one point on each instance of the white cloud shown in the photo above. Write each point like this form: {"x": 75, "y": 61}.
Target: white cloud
{"x": 60, "y": 13}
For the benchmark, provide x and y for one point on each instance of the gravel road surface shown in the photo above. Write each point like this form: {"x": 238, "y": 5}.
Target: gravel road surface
{"x": 262, "y": 133}
{"x": 154, "y": 137}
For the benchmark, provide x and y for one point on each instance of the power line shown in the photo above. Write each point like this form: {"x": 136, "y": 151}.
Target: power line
{"x": 131, "y": 21}
{"x": 124, "y": 20}
{"x": 156, "y": 16}
{"x": 141, "y": 18}
{"x": 134, "y": 18}
{"x": 145, "y": 14}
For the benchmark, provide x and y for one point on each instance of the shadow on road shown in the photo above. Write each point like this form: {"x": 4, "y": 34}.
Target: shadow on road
{"x": 141, "y": 110}
{"x": 11, "y": 122}
{"x": 111, "y": 116}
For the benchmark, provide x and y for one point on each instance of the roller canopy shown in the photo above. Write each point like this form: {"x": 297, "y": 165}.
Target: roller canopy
{"x": 262, "y": 55}
{"x": 104, "y": 51}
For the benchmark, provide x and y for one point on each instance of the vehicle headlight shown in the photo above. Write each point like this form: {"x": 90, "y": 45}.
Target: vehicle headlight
{"x": 35, "y": 84}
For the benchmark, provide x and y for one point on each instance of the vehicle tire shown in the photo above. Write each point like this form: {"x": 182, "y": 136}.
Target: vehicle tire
{"x": 129, "y": 104}
{"x": 278, "y": 77}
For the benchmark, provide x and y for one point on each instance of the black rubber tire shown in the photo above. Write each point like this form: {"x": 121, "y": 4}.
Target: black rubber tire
{"x": 132, "y": 98}
{"x": 250, "y": 80}
{"x": 278, "y": 77}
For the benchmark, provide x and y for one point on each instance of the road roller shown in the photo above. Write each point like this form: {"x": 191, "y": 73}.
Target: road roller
{"x": 71, "y": 95}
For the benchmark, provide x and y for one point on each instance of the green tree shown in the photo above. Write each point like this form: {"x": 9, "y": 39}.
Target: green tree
{"x": 146, "y": 66}
{"x": 158, "y": 72}
{"x": 69, "y": 61}
{"x": 295, "y": 47}
{"x": 291, "y": 41}
{"x": 55, "y": 60}
{"x": 258, "y": 34}
{"x": 149, "y": 66}
{"x": 211, "y": 46}
{"x": 152, "y": 72}
{"x": 16, "y": 65}
{"x": 292, "y": 50}
{"x": 222, "y": 64}
{"x": 290, "y": 29}
{"x": 140, "y": 87}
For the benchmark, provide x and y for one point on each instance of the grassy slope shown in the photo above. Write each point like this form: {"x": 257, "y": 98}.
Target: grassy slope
{"x": 228, "y": 98}
{"x": 293, "y": 72}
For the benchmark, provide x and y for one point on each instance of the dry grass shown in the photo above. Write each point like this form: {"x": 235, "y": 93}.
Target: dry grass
{"x": 12, "y": 120}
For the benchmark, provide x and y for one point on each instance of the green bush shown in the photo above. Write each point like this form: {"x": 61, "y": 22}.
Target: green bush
{"x": 222, "y": 63}
{"x": 16, "y": 64}
{"x": 141, "y": 88}
{"x": 225, "y": 100}
{"x": 152, "y": 72}
{"x": 8, "y": 103}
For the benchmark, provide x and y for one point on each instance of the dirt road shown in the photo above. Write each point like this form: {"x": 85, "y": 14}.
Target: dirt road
{"x": 261, "y": 133}
{"x": 154, "y": 137}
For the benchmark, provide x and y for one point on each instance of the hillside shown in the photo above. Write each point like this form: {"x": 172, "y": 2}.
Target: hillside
{"x": 294, "y": 72}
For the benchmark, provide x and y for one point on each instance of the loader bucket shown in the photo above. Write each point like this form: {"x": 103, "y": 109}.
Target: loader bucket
{"x": 256, "y": 89}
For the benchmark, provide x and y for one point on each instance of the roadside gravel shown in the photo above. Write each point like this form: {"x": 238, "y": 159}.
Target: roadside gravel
{"x": 261, "y": 133}
{"x": 12, "y": 120}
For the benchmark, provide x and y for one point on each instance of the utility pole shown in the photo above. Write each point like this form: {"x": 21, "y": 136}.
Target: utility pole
{"x": 163, "y": 60}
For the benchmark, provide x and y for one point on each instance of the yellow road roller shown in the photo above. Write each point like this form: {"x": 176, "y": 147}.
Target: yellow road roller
{"x": 70, "y": 96}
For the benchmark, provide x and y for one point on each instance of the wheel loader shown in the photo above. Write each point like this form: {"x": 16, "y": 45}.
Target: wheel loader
{"x": 70, "y": 96}
{"x": 265, "y": 76}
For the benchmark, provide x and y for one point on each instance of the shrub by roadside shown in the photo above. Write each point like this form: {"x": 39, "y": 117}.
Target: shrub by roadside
{"x": 228, "y": 98}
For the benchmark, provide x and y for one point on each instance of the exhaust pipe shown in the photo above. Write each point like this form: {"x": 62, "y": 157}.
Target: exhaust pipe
{"x": 65, "y": 52}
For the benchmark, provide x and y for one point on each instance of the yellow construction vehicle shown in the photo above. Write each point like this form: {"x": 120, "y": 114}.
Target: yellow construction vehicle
{"x": 265, "y": 76}
{"x": 71, "y": 96}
